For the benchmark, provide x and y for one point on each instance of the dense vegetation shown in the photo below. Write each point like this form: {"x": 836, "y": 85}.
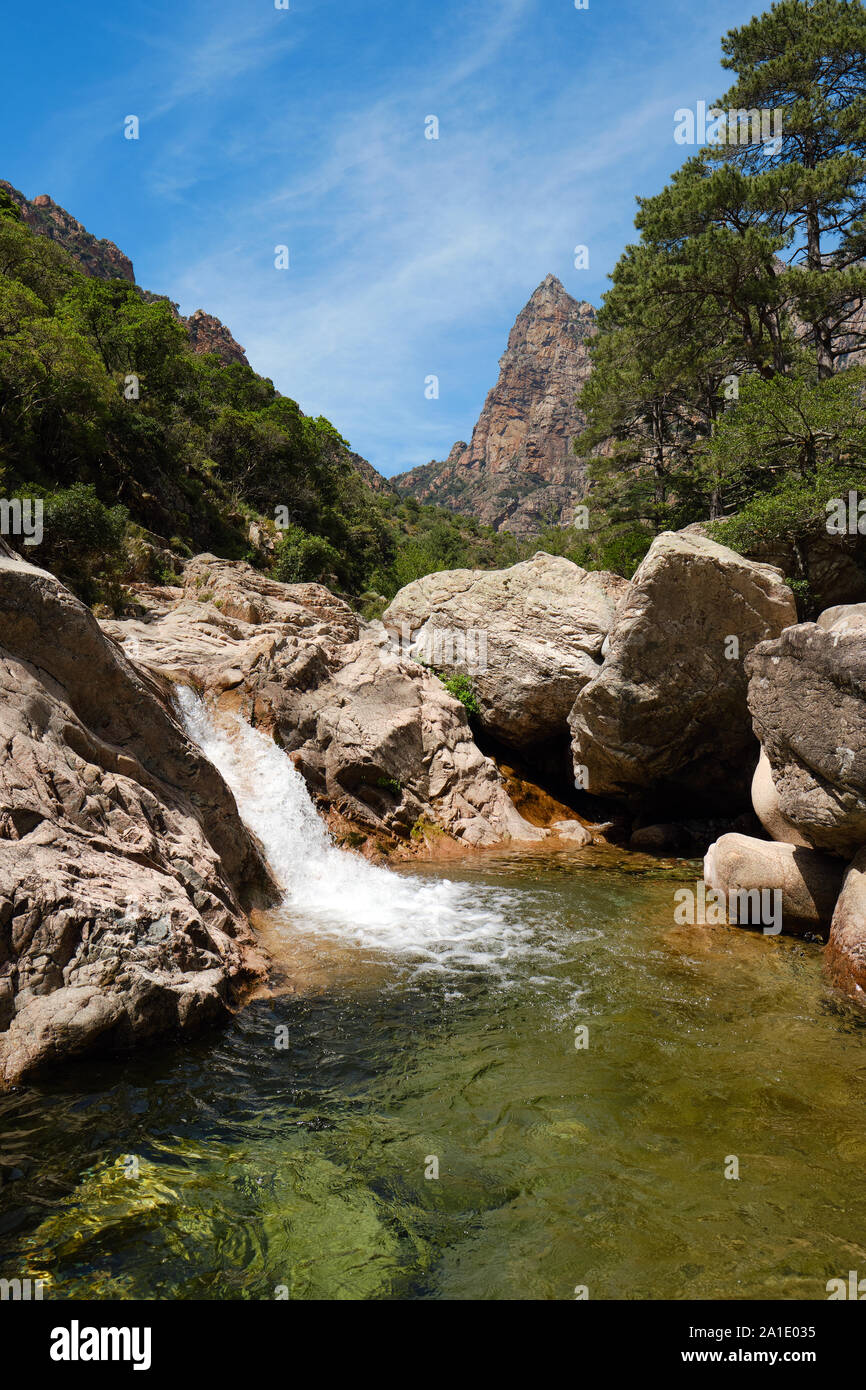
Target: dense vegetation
{"x": 145, "y": 452}
{"x": 722, "y": 385}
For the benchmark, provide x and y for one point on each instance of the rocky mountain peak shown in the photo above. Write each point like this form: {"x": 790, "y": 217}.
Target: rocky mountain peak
{"x": 100, "y": 258}
{"x": 208, "y": 334}
{"x": 550, "y": 282}
{"x": 519, "y": 470}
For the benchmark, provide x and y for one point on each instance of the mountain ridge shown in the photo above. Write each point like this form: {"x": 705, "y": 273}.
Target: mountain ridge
{"x": 103, "y": 260}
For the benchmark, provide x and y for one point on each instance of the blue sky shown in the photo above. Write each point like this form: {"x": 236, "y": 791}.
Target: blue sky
{"x": 305, "y": 127}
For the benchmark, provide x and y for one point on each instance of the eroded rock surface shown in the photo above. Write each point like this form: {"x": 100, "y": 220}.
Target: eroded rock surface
{"x": 536, "y": 629}
{"x": 123, "y": 860}
{"x": 807, "y": 694}
{"x": 665, "y": 721}
{"x": 375, "y": 735}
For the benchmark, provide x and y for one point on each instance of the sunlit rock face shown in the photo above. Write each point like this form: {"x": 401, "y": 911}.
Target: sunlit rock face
{"x": 519, "y": 470}
{"x": 666, "y": 720}
{"x": 123, "y": 859}
{"x": 807, "y": 694}
{"x": 376, "y": 736}
{"x": 528, "y": 637}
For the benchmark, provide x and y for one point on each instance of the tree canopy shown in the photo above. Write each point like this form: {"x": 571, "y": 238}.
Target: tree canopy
{"x": 749, "y": 269}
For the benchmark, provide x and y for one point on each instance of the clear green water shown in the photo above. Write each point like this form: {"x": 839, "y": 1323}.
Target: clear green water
{"x": 305, "y": 1168}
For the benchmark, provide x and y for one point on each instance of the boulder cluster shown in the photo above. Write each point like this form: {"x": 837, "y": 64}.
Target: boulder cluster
{"x": 689, "y": 693}
{"x": 685, "y": 706}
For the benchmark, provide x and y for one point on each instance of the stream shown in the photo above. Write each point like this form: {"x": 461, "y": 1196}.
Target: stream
{"x": 510, "y": 1076}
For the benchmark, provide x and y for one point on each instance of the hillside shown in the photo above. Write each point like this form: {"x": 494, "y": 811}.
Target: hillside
{"x": 100, "y": 259}
{"x": 149, "y": 437}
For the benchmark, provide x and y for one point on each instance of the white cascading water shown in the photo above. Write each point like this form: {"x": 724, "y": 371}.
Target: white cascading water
{"x": 439, "y": 924}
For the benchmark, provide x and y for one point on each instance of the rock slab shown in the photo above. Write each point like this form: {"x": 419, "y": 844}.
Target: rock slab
{"x": 666, "y": 722}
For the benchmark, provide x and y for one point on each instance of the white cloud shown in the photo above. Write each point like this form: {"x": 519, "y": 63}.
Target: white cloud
{"x": 409, "y": 256}
{"x": 403, "y": 249}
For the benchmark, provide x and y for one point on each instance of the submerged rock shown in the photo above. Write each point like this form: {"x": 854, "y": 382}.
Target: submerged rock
{"x": 541, "y": 626}
{"x": 293, "y": 1225}
{"x": 665, "y": 722}
{"x": 123, "y": 859}
{"x": 808, "y": 882}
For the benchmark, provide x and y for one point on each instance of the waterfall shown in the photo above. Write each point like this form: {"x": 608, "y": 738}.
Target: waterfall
{"x": 439, "y": 924}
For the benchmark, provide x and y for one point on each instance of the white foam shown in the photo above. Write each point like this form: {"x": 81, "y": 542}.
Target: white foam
{"x": 439, "y": 924}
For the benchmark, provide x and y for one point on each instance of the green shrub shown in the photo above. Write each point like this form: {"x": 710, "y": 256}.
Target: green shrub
{"x": 462, "y": 689}
{"x": 84, "y": 543}
{"x": 391, "y": 784}
{"x": 302, "y": 558}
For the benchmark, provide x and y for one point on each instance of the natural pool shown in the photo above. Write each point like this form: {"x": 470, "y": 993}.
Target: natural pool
{"x": 303, "y": 1167}
{"x": 426, "y": 1022}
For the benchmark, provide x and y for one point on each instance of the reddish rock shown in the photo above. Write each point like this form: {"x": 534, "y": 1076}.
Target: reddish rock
{"x": 95, "y": 255}
{"x": 846, "y": 950}
{"x": 519, "y": 468}
{"x": 208, "y": 334}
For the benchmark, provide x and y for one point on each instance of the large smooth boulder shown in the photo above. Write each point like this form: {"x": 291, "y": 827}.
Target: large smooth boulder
{"x": 835, "y": 564}
{"x": 808, "y": 882}
{"x": 665, "y": 722}
{"x": 377, "y": 737}
{"x": 807, "y": 694}
{"x": 765, "y": 800}
{"x": 529, "y": 637}
{"x": 123, "y": 860}
{"x": 846, "y": 950}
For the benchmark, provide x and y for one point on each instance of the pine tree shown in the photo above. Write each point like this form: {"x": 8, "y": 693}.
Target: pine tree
{"x": 805, "y": 61}
{"x": 654, "y": 393}
{"x": 716, "y": 261}
{"x": 750, "y": 264}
